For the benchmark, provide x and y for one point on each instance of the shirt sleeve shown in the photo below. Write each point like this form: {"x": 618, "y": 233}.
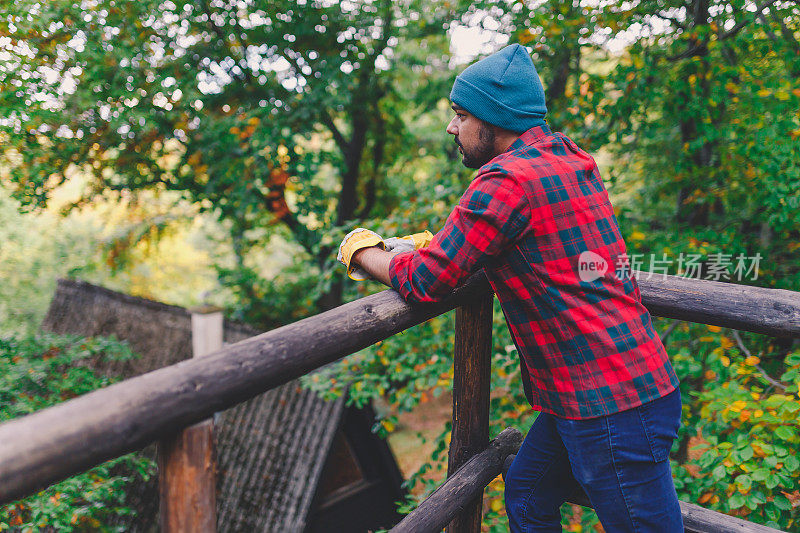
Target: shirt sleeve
{"x": 492, "y": 215}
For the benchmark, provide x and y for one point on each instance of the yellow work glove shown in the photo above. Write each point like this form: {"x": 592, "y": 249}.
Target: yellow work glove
{"x": 354, "y": 241}
{"x": 409, "y": 243}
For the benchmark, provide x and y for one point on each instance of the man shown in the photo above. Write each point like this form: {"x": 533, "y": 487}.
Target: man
{"x": 592, "y": 363}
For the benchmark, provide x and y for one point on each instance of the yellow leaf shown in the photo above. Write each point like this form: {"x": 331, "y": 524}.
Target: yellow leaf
{"x": 764, "y": 92}
{"x": 725, "y": 342}
{"x": 496, "y": 505}
{"x": 757, "y": 414}
{"x": 738, "y": 405}
{"x": 752, "y": 360}
{"x": 637, "y": 236}
{"x": 725, "y": 360}
{"x": 714, "y": 329}
{"x": 782, "y": 95}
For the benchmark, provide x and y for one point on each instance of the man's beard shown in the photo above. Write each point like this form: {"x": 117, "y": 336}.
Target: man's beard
{"x": 481, "y": 154}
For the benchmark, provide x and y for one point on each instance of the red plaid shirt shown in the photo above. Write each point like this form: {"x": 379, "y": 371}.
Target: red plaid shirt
{"x": 586, "y": 343}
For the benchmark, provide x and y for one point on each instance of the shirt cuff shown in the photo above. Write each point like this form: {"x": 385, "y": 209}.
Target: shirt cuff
{"x": 394, "y": 278}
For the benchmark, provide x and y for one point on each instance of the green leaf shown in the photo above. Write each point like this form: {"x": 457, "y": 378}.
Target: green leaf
{"x": 782, "y": 502}
{"x": 736, "y": 500}
{"x": 761, "y": 474}
{"x": 791, "y": 463}
{"x": 784, "y": 432}
{"x": 744, "y": 481}
{"x": 746, "y": 454}
{"x": 772, "y": 481}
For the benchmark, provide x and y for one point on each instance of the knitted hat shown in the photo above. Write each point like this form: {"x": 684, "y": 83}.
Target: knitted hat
{"x": 503, "y": 89}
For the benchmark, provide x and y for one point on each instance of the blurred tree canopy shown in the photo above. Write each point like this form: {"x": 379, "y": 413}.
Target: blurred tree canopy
{"x": 272, "y": 114}
{"x": 295, "y": 121}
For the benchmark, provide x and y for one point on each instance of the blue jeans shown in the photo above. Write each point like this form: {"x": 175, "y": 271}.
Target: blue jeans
{"x": 620, "y": 460}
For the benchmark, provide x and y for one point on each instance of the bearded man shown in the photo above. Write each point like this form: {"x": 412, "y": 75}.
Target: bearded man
{"x": 591, "y": 361}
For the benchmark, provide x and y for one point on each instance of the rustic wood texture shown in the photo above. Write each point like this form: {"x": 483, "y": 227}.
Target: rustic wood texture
{"x": 52, "y": 444}
{"x": 471, "y": 379}
{"x": 462, "y": 488}
{"x": 773, "y": 312}
{"x": 187, "y": 469}
{"x": 263, "y": 484}
{"x": 459, "y": 491}
{"x": 187, "y": 460}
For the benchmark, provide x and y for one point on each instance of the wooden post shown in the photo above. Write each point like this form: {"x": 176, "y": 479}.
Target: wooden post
{"x": 471, "y": 379}
{"x": 186, "y": 460}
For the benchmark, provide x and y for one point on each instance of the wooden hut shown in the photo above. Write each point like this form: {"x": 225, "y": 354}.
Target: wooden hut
{"x": 287, "y": 460}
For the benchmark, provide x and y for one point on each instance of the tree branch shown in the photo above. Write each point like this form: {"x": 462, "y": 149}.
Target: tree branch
{"x": 246, "y": 75}
{"x": 786, "y": 32}
{"x": 669, "y": 331}
{"x": 678, "y": 23}
{"x": 742, "y": 23}
{"x": 767, "y": 29}
{"x": 341, "y": 142}
{"x": 747, "y": 353}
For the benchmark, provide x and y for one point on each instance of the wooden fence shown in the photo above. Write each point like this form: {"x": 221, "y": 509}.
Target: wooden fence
{"x": 55, "y": 443}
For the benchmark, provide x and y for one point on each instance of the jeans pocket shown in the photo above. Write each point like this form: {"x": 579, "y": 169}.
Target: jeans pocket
{"x": 661, "y": 419}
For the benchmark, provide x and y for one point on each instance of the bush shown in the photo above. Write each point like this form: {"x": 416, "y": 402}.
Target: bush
{"x": 39, "y": 371}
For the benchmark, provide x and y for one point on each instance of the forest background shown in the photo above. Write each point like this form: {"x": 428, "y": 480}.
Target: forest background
{"x": 217, "y": 151}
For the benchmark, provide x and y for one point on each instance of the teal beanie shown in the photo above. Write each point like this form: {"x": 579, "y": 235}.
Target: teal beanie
{"x": 503, "y": 89}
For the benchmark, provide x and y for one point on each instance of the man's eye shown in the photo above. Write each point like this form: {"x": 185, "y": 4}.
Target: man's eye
{"x": 461, "y": 116}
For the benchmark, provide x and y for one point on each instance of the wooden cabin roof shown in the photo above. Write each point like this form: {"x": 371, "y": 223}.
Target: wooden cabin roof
{"x": 270, "y": 450}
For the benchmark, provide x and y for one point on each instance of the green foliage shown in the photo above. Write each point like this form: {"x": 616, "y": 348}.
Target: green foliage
{"x": 293, "y": 121}
{"x": 278, "y": 117}
{"x": 39, "y": 371}
{"x": 749, "y": 432}
{"x": 34, "y": 251}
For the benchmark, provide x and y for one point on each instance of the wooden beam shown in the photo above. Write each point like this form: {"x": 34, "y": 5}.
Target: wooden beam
{"x": 773, "y": 312}
{"x": 472, "y": 363}
{"x": 469, "y": 481}
{"x": 52, "y": 444}
{"x": 187, "y": 462}
{"x": 186, "y": 468}
{"x": 461, "y": 489}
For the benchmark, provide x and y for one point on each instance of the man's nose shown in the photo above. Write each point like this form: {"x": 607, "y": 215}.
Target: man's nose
{"x": 451, "y": 128}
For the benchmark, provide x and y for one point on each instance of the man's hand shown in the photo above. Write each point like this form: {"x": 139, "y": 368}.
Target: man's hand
{"x": 354, "y": 241}
{"x": 375, "y": 262}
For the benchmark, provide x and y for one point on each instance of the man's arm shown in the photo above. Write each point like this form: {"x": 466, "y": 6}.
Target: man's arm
{"x": 492, "y": 214}
{"x": 376, "y": 262}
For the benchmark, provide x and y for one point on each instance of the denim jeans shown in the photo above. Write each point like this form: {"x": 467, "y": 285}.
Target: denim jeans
{"x": 620, "y": 460}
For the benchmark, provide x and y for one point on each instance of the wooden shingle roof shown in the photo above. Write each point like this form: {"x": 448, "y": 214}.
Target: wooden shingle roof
{"x": 270, "y": 450}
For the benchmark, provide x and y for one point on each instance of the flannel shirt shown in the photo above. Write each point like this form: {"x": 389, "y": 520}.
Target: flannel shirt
{"x": 586, "y": 348}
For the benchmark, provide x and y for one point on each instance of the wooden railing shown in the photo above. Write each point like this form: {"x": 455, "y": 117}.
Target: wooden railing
{"x": 42, "y": 448}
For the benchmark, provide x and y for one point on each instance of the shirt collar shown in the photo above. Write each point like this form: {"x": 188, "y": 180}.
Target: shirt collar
{"x": 530, "y": 137}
